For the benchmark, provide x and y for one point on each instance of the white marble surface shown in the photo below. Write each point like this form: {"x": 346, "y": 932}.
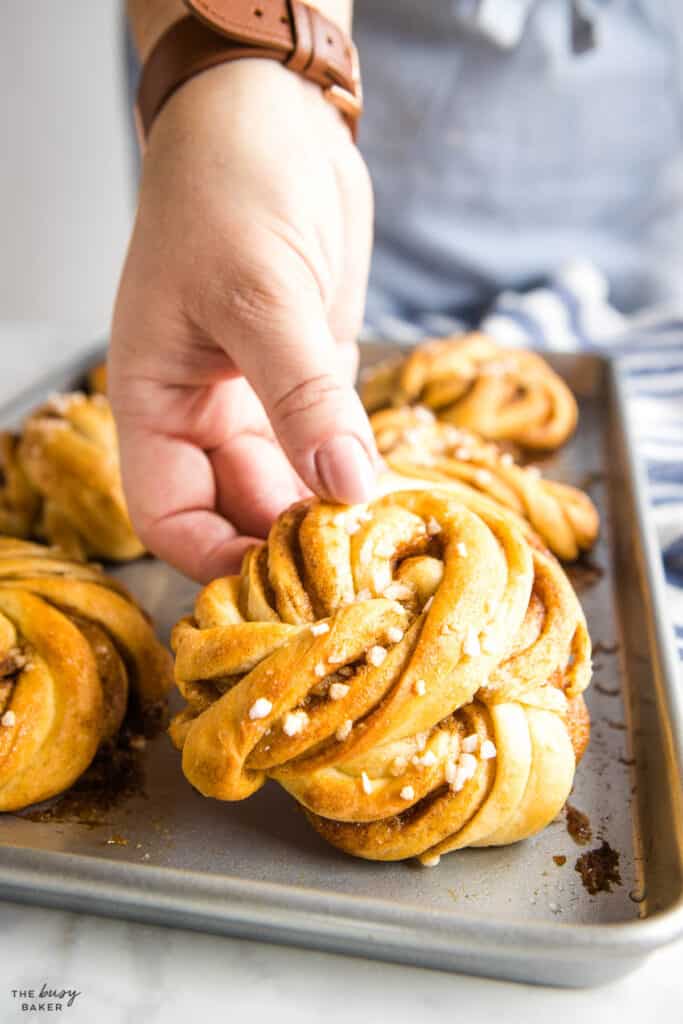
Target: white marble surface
{"x": 148, "y": 975}
{"x": 143, "y": 974}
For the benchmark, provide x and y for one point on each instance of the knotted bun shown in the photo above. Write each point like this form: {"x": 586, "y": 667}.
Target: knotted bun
{"x": 62, "y": 481}
{"x": 411, "y": 672}
{"x": 470, "y": 381}
{"x": 75, "y": 649}
{"x": 415, "y": 444}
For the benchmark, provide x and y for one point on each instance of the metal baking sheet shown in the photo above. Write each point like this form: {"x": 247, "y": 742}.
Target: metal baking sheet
{"x": 161, "y": 853}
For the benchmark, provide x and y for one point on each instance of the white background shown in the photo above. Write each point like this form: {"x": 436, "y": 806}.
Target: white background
{"x": 65, "y": 183}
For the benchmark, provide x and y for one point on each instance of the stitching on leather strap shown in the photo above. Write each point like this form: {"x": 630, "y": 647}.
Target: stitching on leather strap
{"x": 238, "y": 21}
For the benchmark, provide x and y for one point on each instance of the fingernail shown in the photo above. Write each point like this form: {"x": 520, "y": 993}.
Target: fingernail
{"x": 345, "y": 470}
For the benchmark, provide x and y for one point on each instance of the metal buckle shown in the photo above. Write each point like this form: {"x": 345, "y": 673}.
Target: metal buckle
{"x": 348, "y": 103}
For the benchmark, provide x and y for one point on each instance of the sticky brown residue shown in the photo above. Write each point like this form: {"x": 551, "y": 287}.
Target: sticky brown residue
{"x": 607, "y": 691}
{"x": 114, "y": 776}
{"x": 600, "y": 648}
{"x": 560, "y": 860}
{"x": 599, "y": 869}
{"x": 591, "y": 479}
{"x": 147, "y": 722}
{"x": 578, "y": 825}
{"x": 584, "y": 573}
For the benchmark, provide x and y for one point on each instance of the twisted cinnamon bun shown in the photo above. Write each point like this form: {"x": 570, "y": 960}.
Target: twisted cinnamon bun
{"x": 62, "y": 482}
{"x": 75, "y": 649}
{"x": 411, "y": 672}
{"x": 415, "y": 444}
{"x": 471, "y": 382}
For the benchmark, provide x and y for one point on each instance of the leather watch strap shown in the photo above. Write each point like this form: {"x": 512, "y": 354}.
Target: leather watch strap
{"x": 289, "y": 31}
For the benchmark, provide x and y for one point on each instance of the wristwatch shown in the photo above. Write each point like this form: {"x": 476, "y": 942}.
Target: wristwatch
{"x": 215, "y": 31}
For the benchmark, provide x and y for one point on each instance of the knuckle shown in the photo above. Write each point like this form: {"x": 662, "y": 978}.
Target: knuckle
{"x": 249, "y": 293}
{"x": 254, "y": 300}
{"x": 311, "y": 396}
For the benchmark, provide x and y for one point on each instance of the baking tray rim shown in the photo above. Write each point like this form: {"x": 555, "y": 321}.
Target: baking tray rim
{"x": 80, "y": 879}
{"x": 105, "y": 886}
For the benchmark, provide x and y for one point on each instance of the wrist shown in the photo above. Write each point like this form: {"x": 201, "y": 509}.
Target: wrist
{"x": 291, "y": 33}
{"x": 251, "y": 100}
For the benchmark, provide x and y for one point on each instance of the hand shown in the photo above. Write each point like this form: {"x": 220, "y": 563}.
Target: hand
{"x": 233, "y": 342}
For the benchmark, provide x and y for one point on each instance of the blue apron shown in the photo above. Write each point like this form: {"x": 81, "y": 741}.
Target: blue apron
{"x": 508, "y": 137}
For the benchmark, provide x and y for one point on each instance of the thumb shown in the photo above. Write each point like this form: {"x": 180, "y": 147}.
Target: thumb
{"x": 292, "y": 362}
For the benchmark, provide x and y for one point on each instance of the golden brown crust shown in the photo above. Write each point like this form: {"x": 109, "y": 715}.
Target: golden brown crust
{"x": 73, "y": 645}
{"x": 97, "y": 379}
{"x": 408, "y": 671}
{"x": 470, "y": 381}
{"x": 62, "y": 481}
{"x": 19, "y": 503}
{"x": 415, "y": 444}
{"x": 578, "y": 726}
{"x": 112, "y": 675}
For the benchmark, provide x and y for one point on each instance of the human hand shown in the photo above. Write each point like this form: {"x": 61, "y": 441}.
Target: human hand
{"x": 233, "y": 341}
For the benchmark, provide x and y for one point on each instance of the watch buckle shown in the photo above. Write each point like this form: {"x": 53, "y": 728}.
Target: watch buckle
{"x": 348, "y": 102}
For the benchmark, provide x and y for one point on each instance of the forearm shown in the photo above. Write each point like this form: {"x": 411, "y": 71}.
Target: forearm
{"x": 239, "y": 306}
{"x": 149, "y": 19}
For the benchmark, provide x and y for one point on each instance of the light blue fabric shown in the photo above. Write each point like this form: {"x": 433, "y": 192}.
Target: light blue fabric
{"x": 572, "y": 312}
{"x": 506, "y": 137}
{"x": 494, "y": 165}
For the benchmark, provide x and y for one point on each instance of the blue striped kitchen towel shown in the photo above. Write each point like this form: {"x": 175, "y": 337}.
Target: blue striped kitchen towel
{"x": 572, "y": 312}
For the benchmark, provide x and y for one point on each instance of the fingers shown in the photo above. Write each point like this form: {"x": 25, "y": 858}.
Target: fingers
{"x": 201, "y": 466}
{"x": 349, "y": 359}
{"x": 347, "y": 302}
{"x": 199, "y": 544}
{"x": 171, "y": 493}
{"x": 253, "y": 478}
{"x": 285, "y": 349}
{"x": 254, "y": 481}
